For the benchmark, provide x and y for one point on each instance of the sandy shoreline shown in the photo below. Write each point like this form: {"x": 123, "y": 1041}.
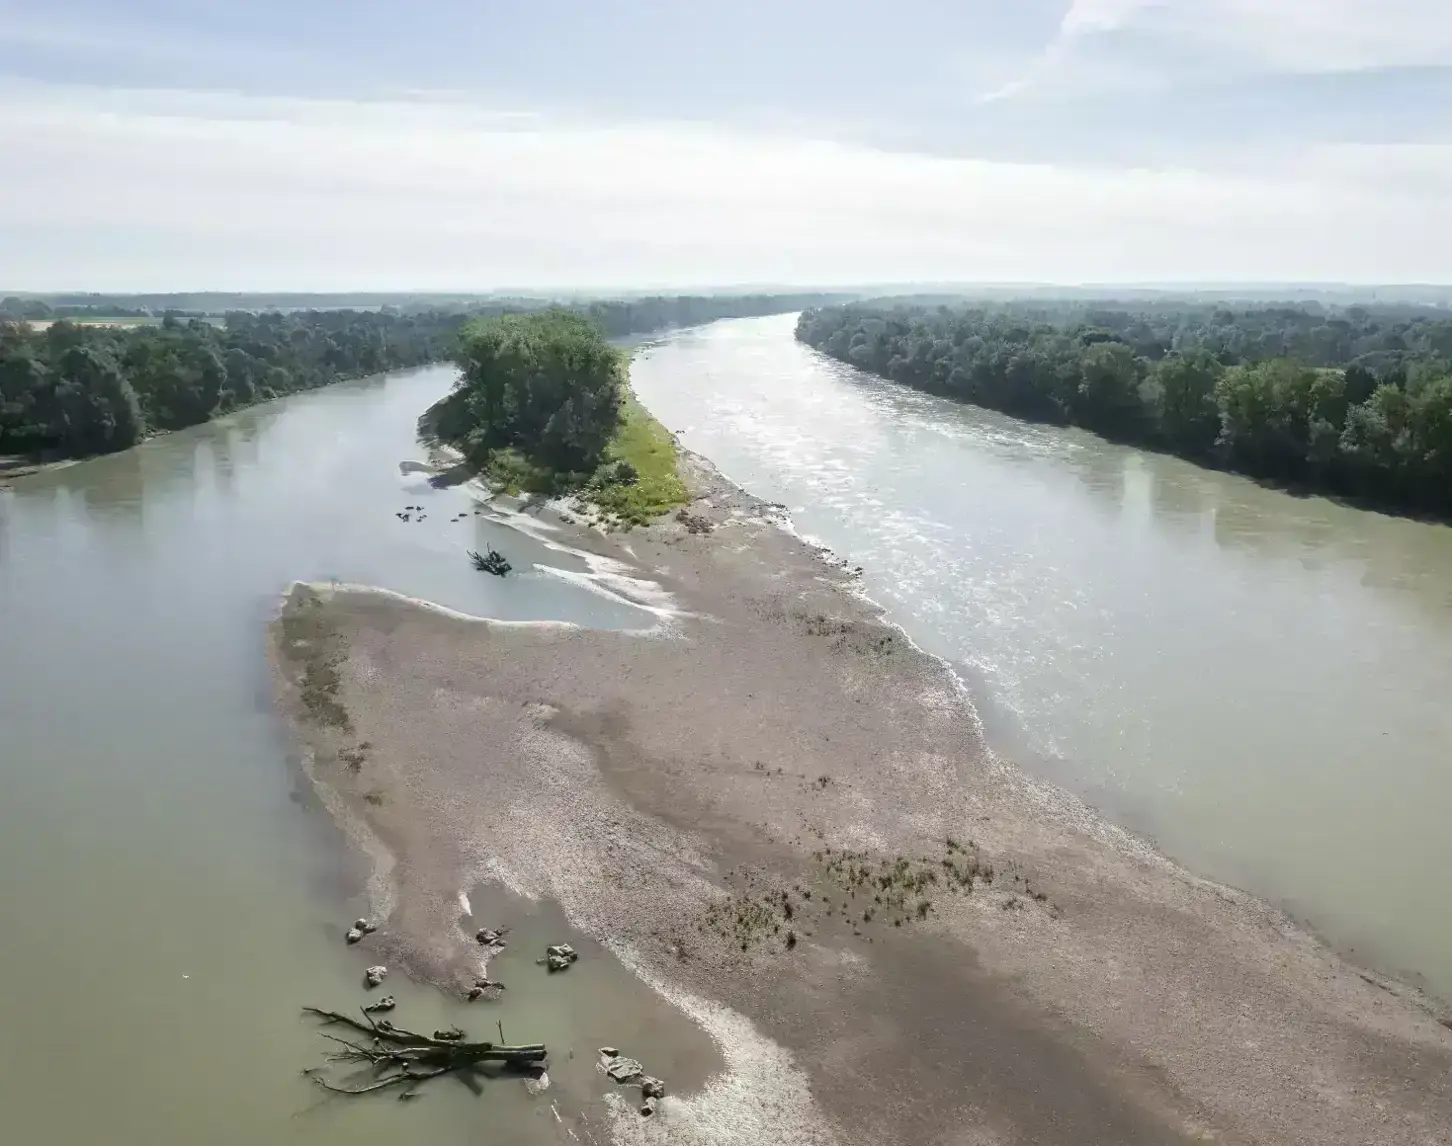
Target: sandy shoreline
{"x": 676, "y": 791}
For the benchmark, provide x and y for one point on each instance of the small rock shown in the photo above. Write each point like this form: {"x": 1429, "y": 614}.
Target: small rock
{"x": 355, "y": 934}
{"x": 609, "y": 1052}
{"x": 375, "y": 975}
{"x": 488, "y": 937}
{"x": 364, "y": 926}
{"x": 623, "y": 1069}
{"x": 450, "y": 1035}
{"x": 647, "y": 1108}
{"x": 473, "y": 993}
{"x": 387, "y": 1003}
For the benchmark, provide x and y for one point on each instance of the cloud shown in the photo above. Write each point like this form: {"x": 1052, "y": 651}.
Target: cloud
{"x": 1167, "y": 38}
{"x": 118, "y": 190}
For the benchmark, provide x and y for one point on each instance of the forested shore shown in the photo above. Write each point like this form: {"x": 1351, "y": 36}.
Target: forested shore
{"x": 73, "y": 388}
{"x": 1353, "y": 401}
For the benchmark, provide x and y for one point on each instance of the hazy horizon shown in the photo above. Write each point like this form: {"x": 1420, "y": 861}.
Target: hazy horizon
{"x": 154, "y": 145}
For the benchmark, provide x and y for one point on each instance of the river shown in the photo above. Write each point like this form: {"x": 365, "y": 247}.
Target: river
{"x": 1256, "y": 680}
{"x": 170, "y": 900}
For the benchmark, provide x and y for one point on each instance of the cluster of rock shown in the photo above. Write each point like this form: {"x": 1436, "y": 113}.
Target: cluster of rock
{"x": 629, "y": 1072}
{"x": 620, "y": 1069}
{"x": 559, "y": 956}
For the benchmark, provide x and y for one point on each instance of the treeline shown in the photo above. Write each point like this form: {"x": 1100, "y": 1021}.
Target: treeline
{"x": 74, "y": 389}
{"x": 617, "y": 316}
{"x": 620, "y": 317}
{"x": 1355, "y": 402}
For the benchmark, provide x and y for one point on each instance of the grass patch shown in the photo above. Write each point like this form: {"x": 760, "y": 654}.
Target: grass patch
{"x": 636, "y": 483}
{"x": 647, "y": 448}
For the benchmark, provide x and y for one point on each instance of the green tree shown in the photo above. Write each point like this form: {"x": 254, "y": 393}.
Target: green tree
{"x": 546, "y": 384}
{"x": 1108, "y": 392}
{"x": 98, "y": 408}
{"x": 1180, "y": 390}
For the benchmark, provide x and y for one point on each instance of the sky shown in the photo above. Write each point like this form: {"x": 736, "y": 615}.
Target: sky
{"x": 475, "y": 145}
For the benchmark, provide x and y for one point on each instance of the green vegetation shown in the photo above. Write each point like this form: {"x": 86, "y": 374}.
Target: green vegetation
{"x": 1350, "y": 402}
{"x": 542, "y": 406}
{"x": 103, "y": 371}
{"x": 857, "y": 890}
{"x": 72, "y": 389}
{"x": 639, "y": 480}
{"x": 617, "y": 316}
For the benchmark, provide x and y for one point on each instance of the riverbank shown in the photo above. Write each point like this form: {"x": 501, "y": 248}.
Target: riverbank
{"x": 687, "y": 793}
{"x": 14, "y": 466}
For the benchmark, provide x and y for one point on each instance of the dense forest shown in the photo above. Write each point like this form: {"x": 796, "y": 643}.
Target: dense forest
{"x": 76, "y": 388}
{"x": 1354, "y": 401}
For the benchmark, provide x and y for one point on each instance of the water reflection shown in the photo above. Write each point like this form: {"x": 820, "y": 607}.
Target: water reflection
{"x": 1256, "y": 679}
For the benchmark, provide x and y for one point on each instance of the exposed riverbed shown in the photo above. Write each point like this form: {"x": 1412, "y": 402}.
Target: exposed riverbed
{"x": 169, "y": 904}
{"x": 1255, "y": 679}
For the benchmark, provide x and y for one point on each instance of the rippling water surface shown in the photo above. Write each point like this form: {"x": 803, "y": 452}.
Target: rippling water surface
{"x": 1256, "y": 680}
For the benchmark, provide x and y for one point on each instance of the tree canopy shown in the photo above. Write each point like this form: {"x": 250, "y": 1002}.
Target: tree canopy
{"x": 547, "y": 385}
{"x": 1354, "y": 401}
{"x": 107, "y": 370}
{"x": 76, "y": 389}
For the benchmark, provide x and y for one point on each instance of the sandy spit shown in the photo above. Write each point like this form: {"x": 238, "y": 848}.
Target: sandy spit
{"x": 1054, "y": 981}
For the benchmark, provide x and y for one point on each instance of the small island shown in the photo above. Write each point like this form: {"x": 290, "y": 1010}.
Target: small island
{"x": 543, "y": 406}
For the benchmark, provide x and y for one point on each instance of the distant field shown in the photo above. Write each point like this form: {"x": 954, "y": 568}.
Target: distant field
{"x": 104, "y": 320}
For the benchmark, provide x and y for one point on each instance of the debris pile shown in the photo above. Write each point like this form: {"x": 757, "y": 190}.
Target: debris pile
{"x": 393, "y": 1056}
{"x": 491, "y": 562}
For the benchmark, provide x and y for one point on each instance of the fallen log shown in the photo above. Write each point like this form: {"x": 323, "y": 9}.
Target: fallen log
{"x": 404, "y": 1057}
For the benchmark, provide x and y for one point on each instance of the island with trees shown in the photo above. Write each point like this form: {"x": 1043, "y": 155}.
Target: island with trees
{"x": 92, "y": 374}
{"x": 543, "y": 405}
{"x": 1353, "y": 401}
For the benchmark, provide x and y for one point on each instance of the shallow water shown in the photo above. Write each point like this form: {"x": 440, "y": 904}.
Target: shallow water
{"x": 169, "y": 900}
{"x": 1256, "y": 680}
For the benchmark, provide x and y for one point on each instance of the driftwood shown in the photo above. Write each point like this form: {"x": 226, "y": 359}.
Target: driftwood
{"x": 400, "y": 1057}
{"x": 492, "y": 562}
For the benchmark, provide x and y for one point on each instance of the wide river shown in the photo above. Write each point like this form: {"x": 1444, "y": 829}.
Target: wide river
{"x": 1258, "y": 681}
